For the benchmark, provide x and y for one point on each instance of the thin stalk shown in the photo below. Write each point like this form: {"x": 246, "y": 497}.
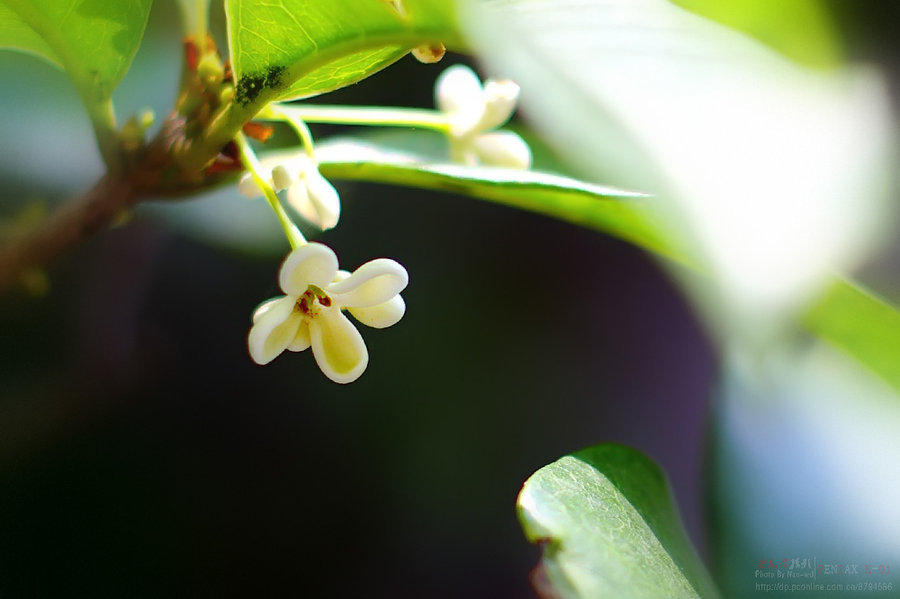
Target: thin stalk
{"x": 298, "y": 125}
{"x": 201, "y": 16}
{"x": 248, "y": 157}
{"x": 363, "y": 115}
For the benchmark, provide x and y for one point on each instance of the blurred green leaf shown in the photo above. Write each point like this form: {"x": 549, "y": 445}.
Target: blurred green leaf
{"x": 802, "y": 30}
{"x": 740, "y": 146}
{"x": 862, "y": 325}
{"x": 414, "y": 158}
{"x": 606, "y": 522}
{"x": 294, "y": 48}
{"x": 847, "y": 316}
{"x": 15, "y": 34}
{"x": 93, "y": 40}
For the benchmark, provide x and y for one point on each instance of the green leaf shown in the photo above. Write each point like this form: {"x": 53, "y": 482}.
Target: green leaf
{"x": 847, "y": 316}
{"x": 15, "y": 34}
{"x": 93, "y": 40}
{"x": 605, "y": 519}
{"x": 739, "y": 145}
{"x": 800, "y": 29}
{"x": 295, "y": 48}
{"x": 345, "y": 71}
{"x": 862, "y": 325}
{"x": 413, "y": 158}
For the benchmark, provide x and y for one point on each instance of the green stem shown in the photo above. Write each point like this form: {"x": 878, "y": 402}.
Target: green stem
{"x": 98, "y": 103}
{"x": 248, "y": 157}
{"x": 275, "y": 111}
{"x": 103, "y": 121}
{"x": 227, "y": 123}
{"x": 364, "y": 115}
{"x": 201, "y": 14}
{"x": 195, "y": 20}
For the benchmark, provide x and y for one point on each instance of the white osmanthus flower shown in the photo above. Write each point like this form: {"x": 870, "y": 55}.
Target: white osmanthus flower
{"x": 308, "y": 192}
{"x": 310, "y": 313}
{"x": 474, "y": 111}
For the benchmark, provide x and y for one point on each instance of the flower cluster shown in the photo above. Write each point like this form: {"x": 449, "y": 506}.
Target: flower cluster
{"x": 474, "y": 111}
{"x": 308, "y": 192}
{"x": 310, "y": 313}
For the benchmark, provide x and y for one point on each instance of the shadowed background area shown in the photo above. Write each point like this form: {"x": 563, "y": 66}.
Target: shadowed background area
{"x": 142, "y": 453}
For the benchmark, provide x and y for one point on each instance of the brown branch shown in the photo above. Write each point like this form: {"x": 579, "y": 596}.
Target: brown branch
{"x": 71, "y": 223}
{"x": 141, "y": 170}
{"x": 148, "y": 171}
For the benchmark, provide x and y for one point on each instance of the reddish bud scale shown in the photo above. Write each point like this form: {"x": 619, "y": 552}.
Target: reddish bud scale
{"x": 258, "y": 131}
{"x": 191, "y": 54}
{"x": 227, "y": 160}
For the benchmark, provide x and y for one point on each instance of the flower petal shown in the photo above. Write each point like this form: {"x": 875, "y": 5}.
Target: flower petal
{"x": 458, "y": 89}
{"x": 248, "y": 187}
{"x": 265, "y": 307}
{"x": 337, "y": 346}
{"x": 458, "y": 93}
{"x": 383, "y": 315}
{"x": 373, "y": 283}
{"x": 284, "y": 176}
{"x": 298, "y": 198}
{"x": 301, "y": 339}
{"x": 325, "y": 200}
{"x": 310, "y": 264}
{"x": 500, "y": 98}
{"x": 273, "y": 330}
{"x": 503, "y": 148}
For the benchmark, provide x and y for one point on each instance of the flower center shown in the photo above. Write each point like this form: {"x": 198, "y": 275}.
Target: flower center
{"x": 306, "y": 303}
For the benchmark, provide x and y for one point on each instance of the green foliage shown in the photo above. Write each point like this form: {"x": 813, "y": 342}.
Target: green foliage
{"x": 862, "y": 325}
{"x": 605, "y": 519}
{"x": 17, "y": 35}
{"x": 813, "y": 44}
{"x": 848, "y": 317}
{"x": 297, "y": 49}
{"x": 414, "y": 159}
{"x": 93, "y": 40}
{"x": 620, "y": 96}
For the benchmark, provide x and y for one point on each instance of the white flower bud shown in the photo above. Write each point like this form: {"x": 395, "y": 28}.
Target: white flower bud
{"x": 457, "y": 88}
{"x": 458, "y": 92}
{"x": 503, "y": 148}
{"x": 248, "y": 187}
{"x": 500, "y": 98}
{"x": 308, "y": 192}
{"x": 283, "y": 177}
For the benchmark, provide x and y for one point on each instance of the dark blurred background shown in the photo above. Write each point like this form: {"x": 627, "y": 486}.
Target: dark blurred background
{"x": 143, "y": 454}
